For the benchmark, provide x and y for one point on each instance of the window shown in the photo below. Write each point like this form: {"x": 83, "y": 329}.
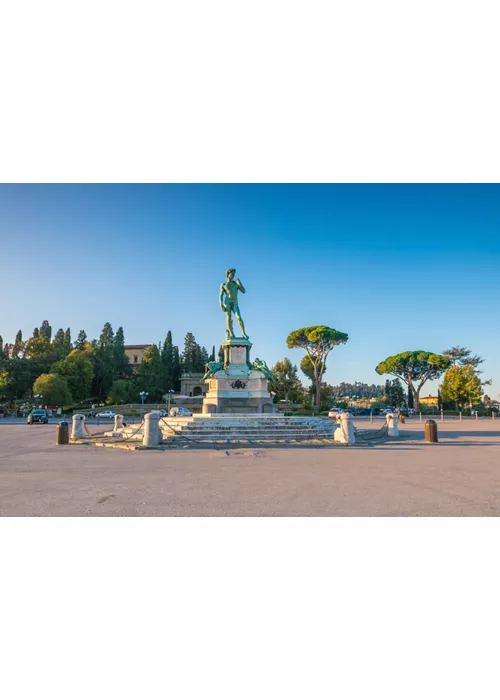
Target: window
{"x": 135, "y": 358}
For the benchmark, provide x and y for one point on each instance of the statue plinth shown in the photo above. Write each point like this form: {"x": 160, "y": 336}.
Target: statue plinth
{"x": 238, "y": 386}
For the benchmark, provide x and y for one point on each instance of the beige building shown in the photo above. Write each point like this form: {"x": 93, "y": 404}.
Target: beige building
{"x": 135, "y": 353}
{"x": 429, "y": 400}
{"x": 191, "y": 384}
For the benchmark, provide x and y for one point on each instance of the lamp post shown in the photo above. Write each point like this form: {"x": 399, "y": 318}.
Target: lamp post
{"x": 143, "y": 395}
{"x": 170, "y": 393}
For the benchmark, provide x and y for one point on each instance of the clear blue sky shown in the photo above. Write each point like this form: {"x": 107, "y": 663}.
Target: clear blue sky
{"x": 397, "y": 267}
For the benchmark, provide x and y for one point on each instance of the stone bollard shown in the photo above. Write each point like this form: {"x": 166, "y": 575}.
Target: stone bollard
{"x": 151, "y": 430}
{"x": 118, "y": 423}
{"x": 392, "y": 425}
{"x": 78, "y": 427}
{"x": 345, "y": 431}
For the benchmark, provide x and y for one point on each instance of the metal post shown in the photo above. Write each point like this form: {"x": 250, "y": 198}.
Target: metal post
{"x": 493, "y": 415}
{"x": 420, "y": 414}
{"x": 442, "y": 416}
{"x": 477, "y": 415}
{"x": 460, "y": 416}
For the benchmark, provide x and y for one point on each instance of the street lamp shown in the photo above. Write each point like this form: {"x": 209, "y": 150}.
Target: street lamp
{"x": 170, "y": 393}
{"x": 143, "y": 395}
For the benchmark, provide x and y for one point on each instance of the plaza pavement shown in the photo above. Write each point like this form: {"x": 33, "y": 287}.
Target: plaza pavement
{"x": 459, "y": 476}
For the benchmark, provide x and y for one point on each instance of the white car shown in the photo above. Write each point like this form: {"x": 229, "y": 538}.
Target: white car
{"x": 180, "y": 412}
{"x": 334, "y": 412}
{"x": 160, "y": 412}
{"x": 106, "y": 414}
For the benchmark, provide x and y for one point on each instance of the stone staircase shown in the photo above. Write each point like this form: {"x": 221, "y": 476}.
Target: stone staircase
{"x": 246, "y": 428}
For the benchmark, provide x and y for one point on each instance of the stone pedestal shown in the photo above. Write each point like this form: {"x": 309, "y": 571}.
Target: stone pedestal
{"x": 238, "y": 388}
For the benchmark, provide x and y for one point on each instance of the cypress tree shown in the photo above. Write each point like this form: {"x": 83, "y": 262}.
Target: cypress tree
{"x": 167, "y": 362}
{"x": 46, "y": 330}
{"x": 81, "y": 340}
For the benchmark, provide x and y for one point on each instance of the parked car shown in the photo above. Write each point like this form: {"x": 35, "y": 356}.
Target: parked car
{"x": 160, "y": 412}
{"x": 38, "y": 416}
{"x": 363, "y": 412}
{"x": 106, "y": 414}
{"x": 334, "y": 412}
{"x": 180, "y": 412}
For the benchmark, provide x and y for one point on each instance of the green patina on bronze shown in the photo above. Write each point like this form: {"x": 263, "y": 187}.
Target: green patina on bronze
{"x": 261, "y": 366}
{"x": 228, "y": 300}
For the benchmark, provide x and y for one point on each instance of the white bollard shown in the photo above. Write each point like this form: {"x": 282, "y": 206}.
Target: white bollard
{"x": 78, "y": 426}
{"x": 151, "y": 430}
{"x": 392, "y": 425}
{"x": 345, "y": 431}
{"x": 118, "y": 423}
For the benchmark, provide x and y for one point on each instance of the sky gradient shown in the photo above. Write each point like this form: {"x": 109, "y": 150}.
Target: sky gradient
{"x": 397, "y": 267}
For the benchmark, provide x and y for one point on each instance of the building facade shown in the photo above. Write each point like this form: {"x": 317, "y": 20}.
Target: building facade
{"x": 191, "y": 384}
{"x": 135, "y": 353}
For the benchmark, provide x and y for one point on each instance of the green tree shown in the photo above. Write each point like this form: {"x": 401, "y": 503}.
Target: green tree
{"x": 40, "y": 350}
{"x": 463, "y": 356}
{"x": 16, "y": 378}
{"x": 308, "y": 369}
{"x": 414, "y": 368}
{"x": 410, "y": 399}
{"x": 318, "y": 342}
{"x": 58, "y": 345}
{"x": 107, "y": 337}
{"x": 102, "y": 357}
{"x": 194, "y": 358}
{"x": 394, "y": 393}
{"x": 286, "y": 384}
{"x": 461, "y": 385}
{"x": 78, "y": 370}
{"x": 176, "y": 370}
{"x": 46, "y": 330}
{"x": 149, "y": 376}
{"x": 54, "y": 390}
{"x": 167, "y": 362}
{"x": 19, "y": 346}
{"x": 123, "y": 391}
{"x": 81, "y": 340}
{"x": 121, "y": 363}
{"x": 67, "y": 342}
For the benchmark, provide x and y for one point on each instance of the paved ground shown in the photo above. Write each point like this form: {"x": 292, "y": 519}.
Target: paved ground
{"x": 458, "y": 476}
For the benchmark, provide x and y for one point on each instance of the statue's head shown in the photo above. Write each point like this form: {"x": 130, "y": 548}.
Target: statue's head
{"x": 230, "y": 273}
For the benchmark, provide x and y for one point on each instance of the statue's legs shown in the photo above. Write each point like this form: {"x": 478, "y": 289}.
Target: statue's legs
{"x": 229, "y": 324}
{"x": 240, "y": 321}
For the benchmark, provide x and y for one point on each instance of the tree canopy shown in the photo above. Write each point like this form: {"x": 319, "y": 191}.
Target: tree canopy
{"x": 462, "y": 386}
{"x": 317, "y": 341}
{"x": 54, "y": 390}
{"x": 414, "y": 368}
{"x": 286, "y": 383}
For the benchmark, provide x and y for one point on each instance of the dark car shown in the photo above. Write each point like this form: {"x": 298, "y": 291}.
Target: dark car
{"x": 38, "y": 416}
